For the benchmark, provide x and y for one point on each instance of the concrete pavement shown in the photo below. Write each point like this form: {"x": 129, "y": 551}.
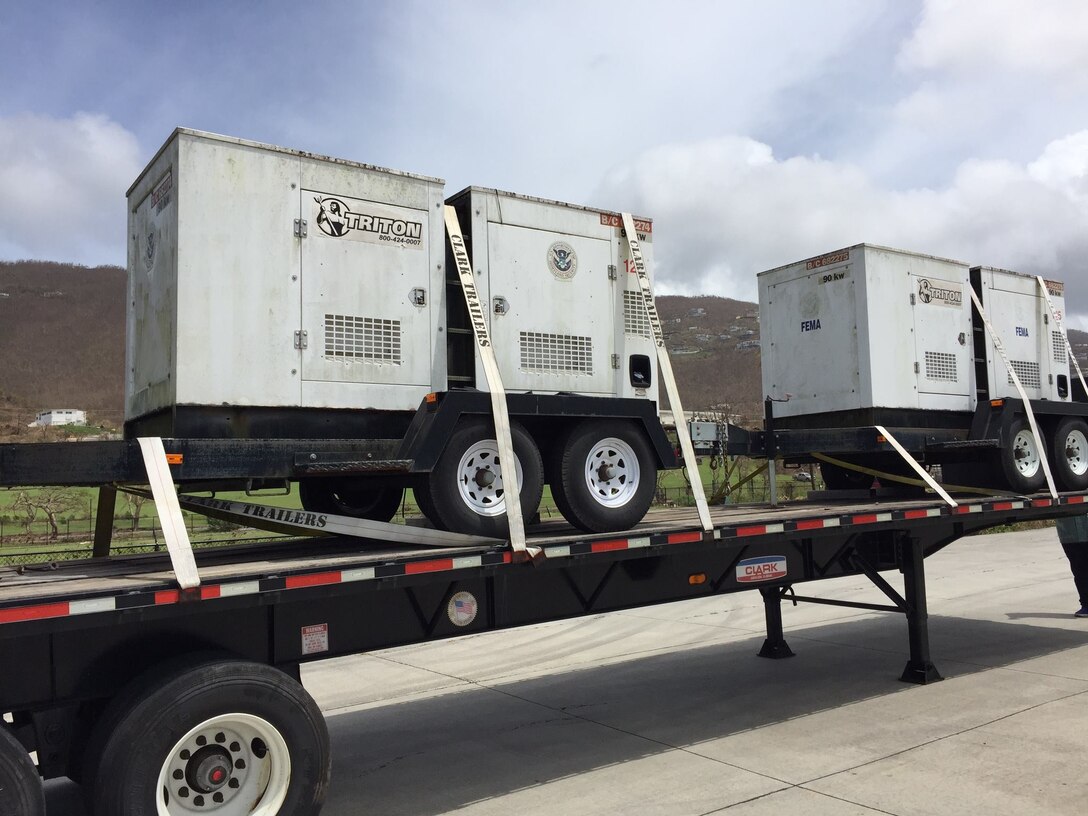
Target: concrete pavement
{"x": 666, "y": 710}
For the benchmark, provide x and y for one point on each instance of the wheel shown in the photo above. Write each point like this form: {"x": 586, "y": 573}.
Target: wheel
{"x": 1019, "y": 458}
{"x": 345, "y": 497}
{"x": 20, "y": 787}
{"x": 840, "y": 478}
{"x": 603, "y": 476}
{"x": 466, "y": 488}
{"x": 1069, "y": 454}
{"x": 223, "y": 737}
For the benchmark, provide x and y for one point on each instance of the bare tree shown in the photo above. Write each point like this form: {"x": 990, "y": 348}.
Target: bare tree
{"x": 25, "y": 505}
{"x": 51, "y": 501}
{"x": 135, "y": 505}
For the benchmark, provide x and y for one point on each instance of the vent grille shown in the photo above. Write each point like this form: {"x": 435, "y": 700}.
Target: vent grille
{"x": 1028, "y": 373}
{"x": 362, "y": 338}
{"x": 1057, "y": 339}
{"x": 636, "y": 320}
{"x": 941, "y": 366}
{"x": 556, "y": 353}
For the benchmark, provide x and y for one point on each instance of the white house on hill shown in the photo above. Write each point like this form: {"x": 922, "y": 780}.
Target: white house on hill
{"x": 60, "y": 416}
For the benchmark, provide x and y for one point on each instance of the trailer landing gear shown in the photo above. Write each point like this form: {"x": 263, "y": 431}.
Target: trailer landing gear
{"x": 919, "y": 668}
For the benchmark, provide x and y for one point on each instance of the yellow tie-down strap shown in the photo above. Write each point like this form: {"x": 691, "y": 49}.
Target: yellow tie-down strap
{"x": 907, "y": 480}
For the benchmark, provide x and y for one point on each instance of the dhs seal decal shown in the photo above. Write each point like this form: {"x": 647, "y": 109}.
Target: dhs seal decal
{"x": 562, "y": 260}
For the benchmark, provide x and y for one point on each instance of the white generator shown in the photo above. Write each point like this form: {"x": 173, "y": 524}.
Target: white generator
{"x": 869, "y": 327}
{"x": 260, "y": 276}
{"x": 564, "y": 307}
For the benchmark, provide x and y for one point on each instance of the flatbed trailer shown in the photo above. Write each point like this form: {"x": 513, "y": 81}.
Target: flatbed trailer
{"x": 189, "y": 699}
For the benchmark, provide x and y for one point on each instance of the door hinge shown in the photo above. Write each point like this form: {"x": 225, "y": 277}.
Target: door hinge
{"x": 300, "y": 227}
{"x": 611, "y": 271}
{"x": 302, "y": 339}
{"x": 912, "y": 299}
{"x": 917, "y": 368}
{"x": 615, "y": 361}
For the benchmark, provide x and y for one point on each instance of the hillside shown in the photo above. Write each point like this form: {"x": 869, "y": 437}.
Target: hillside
{"x": 62, "y": 346}
{"x": 61, "y": 341}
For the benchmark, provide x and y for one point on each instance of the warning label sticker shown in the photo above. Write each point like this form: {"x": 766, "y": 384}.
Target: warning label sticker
{"x": 315, "y": 639}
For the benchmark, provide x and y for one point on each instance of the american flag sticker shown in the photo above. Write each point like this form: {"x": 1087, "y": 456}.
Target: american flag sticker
{"x": 462, "y": 609}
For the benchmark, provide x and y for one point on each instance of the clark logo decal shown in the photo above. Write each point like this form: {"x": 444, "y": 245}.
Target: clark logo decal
{"x": 361, "y": 221}
{"x": 562, "y": 260}
{"x": 940, "y": 293}
{"x": 765, "y": 568}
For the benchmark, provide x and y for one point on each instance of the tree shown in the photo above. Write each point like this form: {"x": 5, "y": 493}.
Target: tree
{"x": 135, "y": 504}
{"x": 26, "y": 506}
{"x": 51, "y": 501}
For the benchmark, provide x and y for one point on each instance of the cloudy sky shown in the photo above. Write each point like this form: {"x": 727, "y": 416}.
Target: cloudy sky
{"x": 755, "y": 134}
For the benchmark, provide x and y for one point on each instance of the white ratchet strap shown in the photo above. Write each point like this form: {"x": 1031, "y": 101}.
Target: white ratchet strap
{"x": 169, "y": 510}
{"x": 1000, "y": 349}
{"x": 665, "y": 368}
{"x": 511, "y": 488}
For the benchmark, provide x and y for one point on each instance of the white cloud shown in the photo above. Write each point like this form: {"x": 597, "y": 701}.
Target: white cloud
{"x": 1041, "y": 38}
{"x": 727, "y": 209}
{"x": 62, "y": 187}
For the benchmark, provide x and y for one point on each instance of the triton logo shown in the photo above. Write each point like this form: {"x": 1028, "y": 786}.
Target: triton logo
{"x": 945, "y": 295}
{"x": 335, "y": 219}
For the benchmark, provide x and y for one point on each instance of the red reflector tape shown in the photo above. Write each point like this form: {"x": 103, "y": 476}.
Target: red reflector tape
{"x": 605, "y": 546}
{"x": 28, "y": 613}
{"x": 685, "y": 538}
{"x": 1002, "y": 506}
{"x": 868, "y": 518}
{"x": 207, "y": 592}
{"x": 810, "y": 524}
{"x": 913, "y": 514}
{"x": 166, "y": 596}
{"x": 1042, "y": 503}
{"x": 428, "y": 566}
{"x": 750, "y": 531}
{"x": 316, "y": 579}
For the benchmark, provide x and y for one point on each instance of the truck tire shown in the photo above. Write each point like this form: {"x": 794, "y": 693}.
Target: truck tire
{"x": 465, "y": 490}
{"x": 840, "y": 478}
{"x": 224, "y": 737}
{"x": 344, "y": 497}
{"x": 20, "y": 787}
{"x": 1019, "y": 458}
{"x": 1069, "y": 454}
{"x": 603, "y": 476}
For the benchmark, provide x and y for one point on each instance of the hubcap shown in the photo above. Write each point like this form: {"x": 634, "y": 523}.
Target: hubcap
{"x": 1076, "y": 452}
{"x": 479, "y": 478}
{"x": 612, "y": 472}
{"x": 231, "y": 765}
{"x": 1025, "y": 453}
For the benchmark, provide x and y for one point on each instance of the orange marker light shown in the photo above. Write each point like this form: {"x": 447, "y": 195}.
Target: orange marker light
{"x": 697, "y": 578}
{"x": 175, "y": 458}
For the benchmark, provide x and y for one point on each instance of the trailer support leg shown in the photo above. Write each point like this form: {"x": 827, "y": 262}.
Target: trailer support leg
{"x": 920, "y": 668}
{"x": 103, "y": 523}
{"x": 775, "y": 646}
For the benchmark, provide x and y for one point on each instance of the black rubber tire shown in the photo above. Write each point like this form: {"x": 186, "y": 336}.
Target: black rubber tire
{"x": 570, "y": 463}
{"x": 839, "y": 478}
{"x": 443, "y": 503}
{"x": 1017, "y": 479}
{"x": 159, "y": 714}
{"x": 1069, "y": 454}
{"x": 21, "y": 791}
{"x": 342, "y": 497}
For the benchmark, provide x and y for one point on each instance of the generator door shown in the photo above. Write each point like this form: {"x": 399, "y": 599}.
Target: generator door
{"x": 942, "y": 337}
{"x": 552, "y": 309}
{"x": 365, "y": 297}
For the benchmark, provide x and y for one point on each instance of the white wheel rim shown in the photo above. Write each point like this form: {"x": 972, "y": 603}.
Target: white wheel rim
{"x": 479, "y": 478}
{"x": 612, "y": 472}
{"x": 1025, "y": 453}
{"x": 230, "y": 765}
{"x": 1076, "y": 452}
